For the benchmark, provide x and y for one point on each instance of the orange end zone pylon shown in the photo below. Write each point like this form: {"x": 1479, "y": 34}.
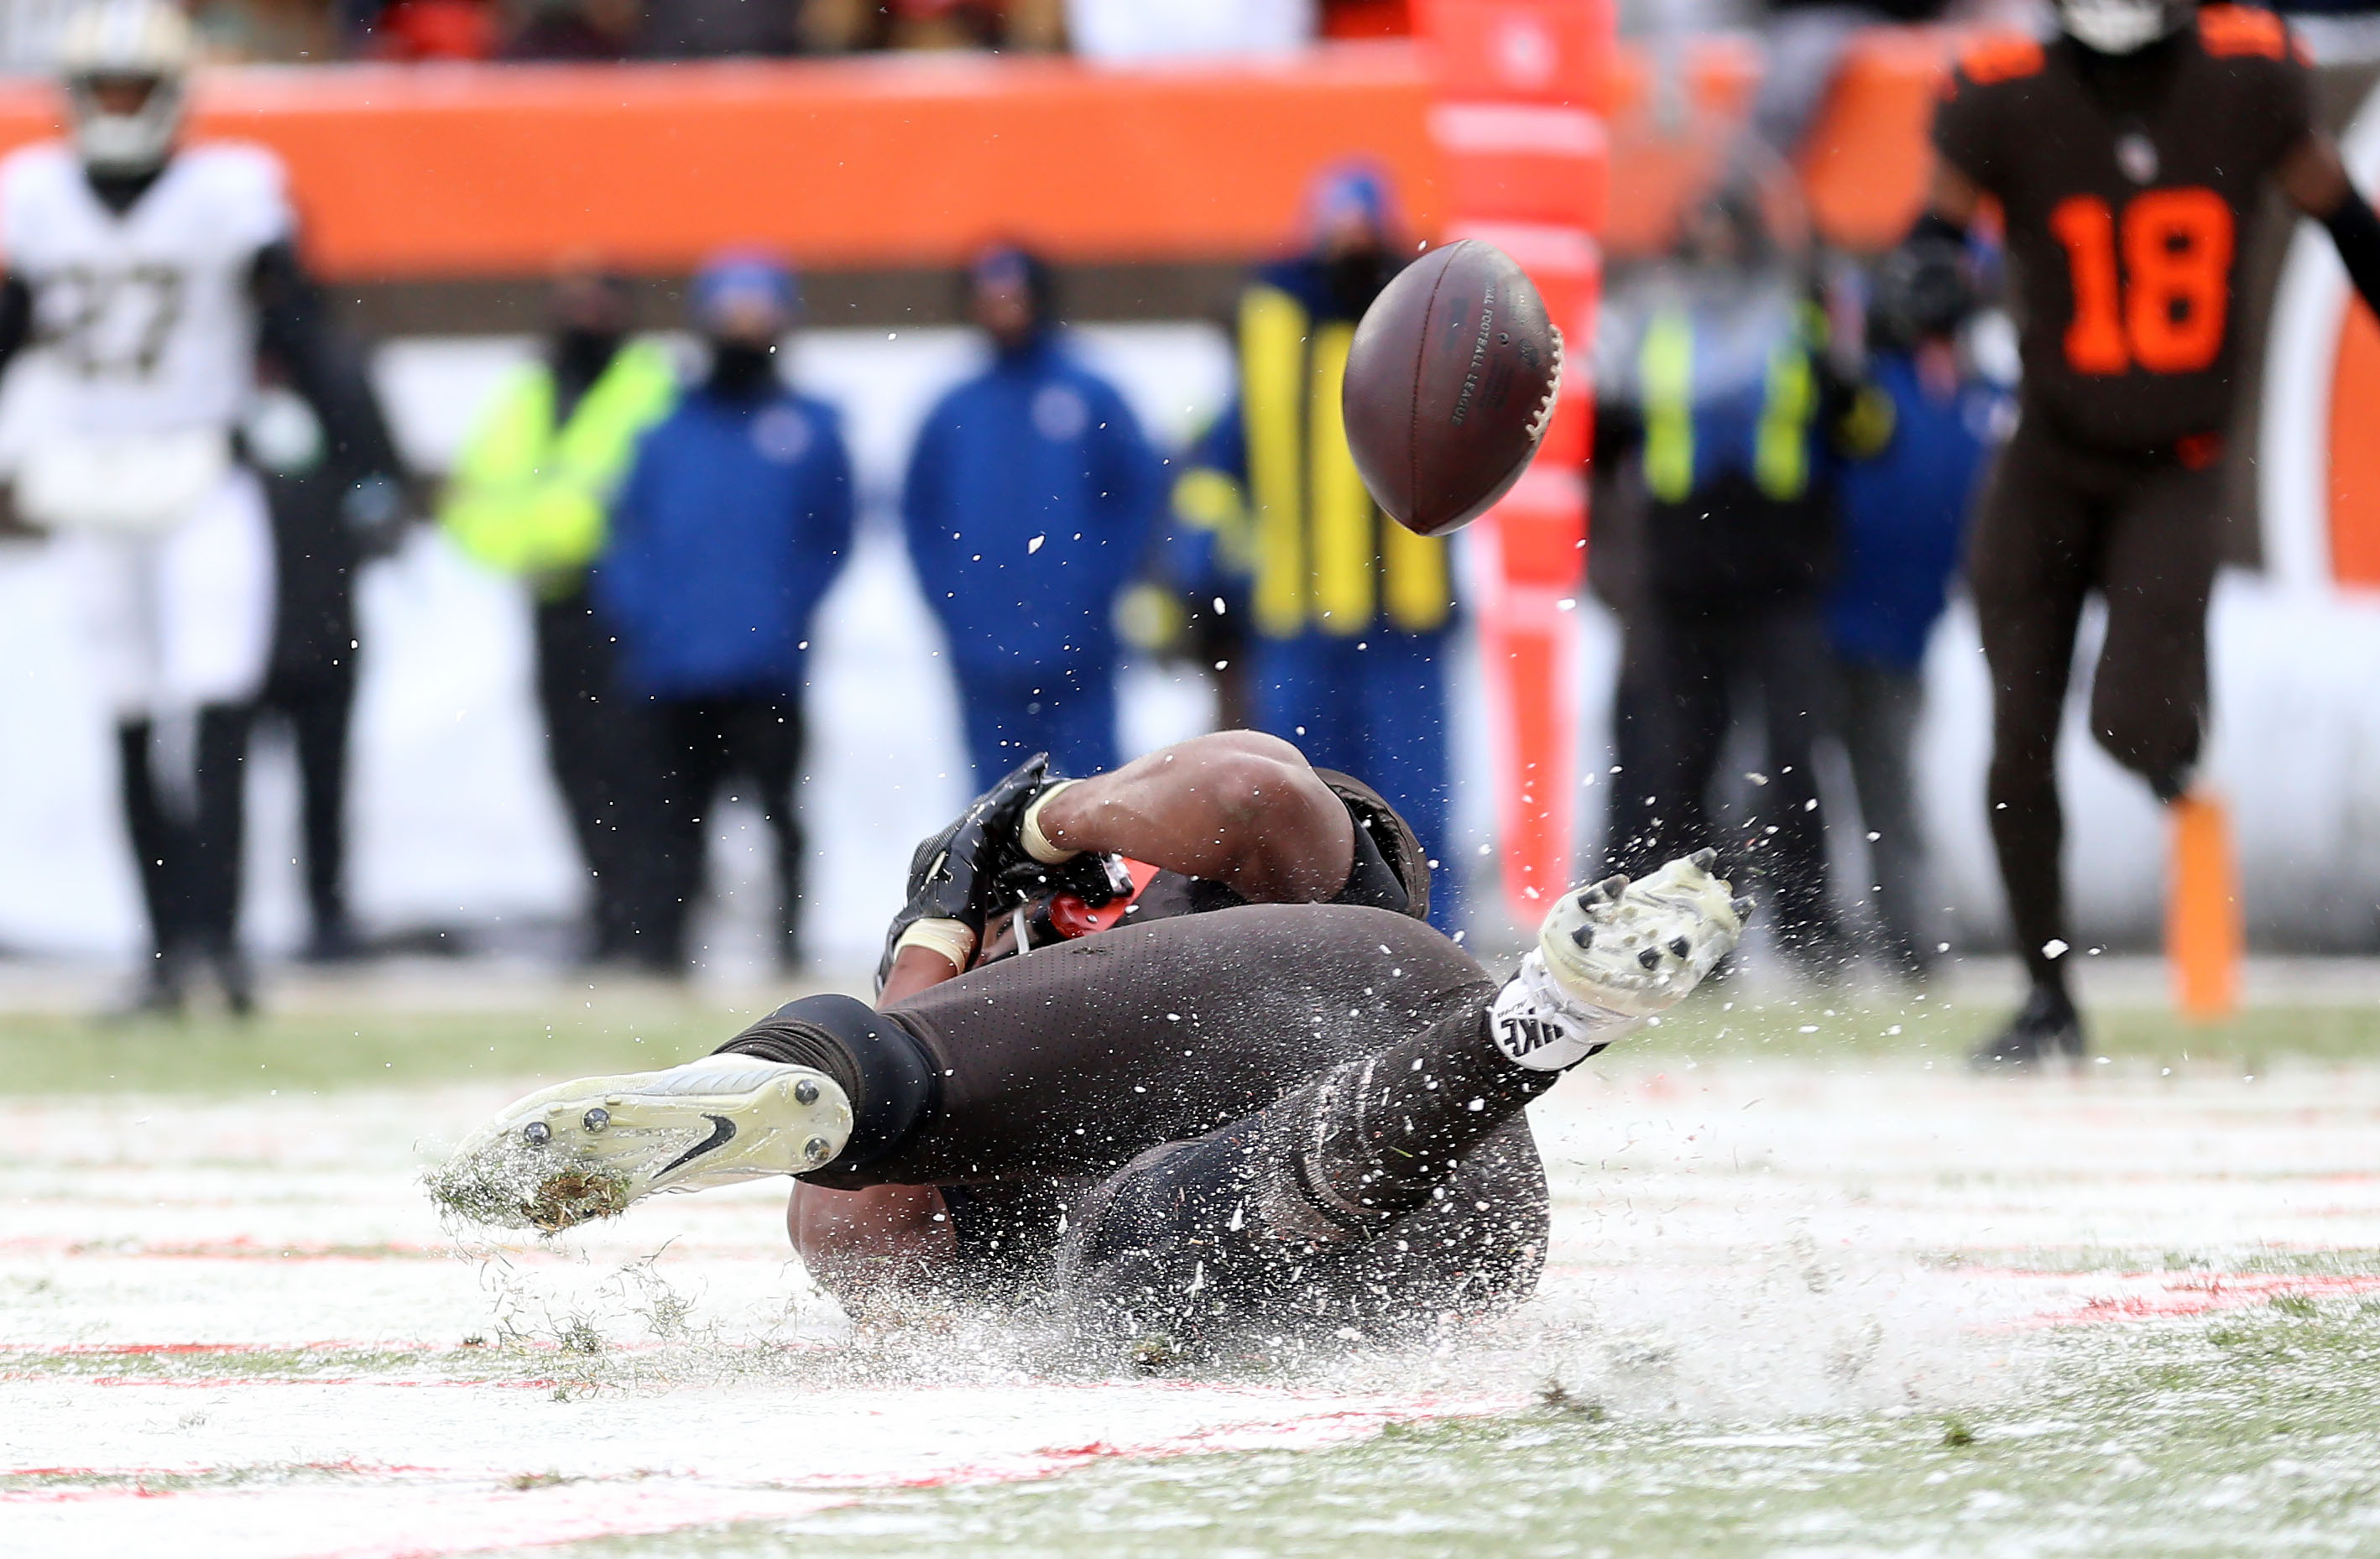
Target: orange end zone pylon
{"x": 2202, "y": 932}
{"x": 1518, "y": 125}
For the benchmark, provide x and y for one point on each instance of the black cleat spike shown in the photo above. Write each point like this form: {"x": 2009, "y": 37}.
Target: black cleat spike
{"x": 1584, "y": 936}
{"x": 1744, "y": 906}
{"x": 1681, "y": 947}
{"x": 1705, "y": 859}
{"x": 1650, "y": 958}
{"x": 1602, "y": 892}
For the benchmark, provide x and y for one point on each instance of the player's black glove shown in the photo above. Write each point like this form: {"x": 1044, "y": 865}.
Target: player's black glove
{"x": 1020, "y": 876}
{"x": 953, "y": 873}
{"x": 1095, "y": 879}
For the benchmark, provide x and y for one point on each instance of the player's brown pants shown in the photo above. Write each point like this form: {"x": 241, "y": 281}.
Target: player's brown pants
{"x": 1265, "y": 1116}
{"x": 2056, "y": 524}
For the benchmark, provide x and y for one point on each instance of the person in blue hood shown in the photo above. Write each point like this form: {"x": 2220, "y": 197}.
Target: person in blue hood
{"x": 1027, "y": 508}
{"x": 733, "y": 521}
{"x": 1905, "y": 511}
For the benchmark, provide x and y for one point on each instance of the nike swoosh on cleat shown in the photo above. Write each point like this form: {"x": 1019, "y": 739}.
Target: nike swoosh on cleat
{"x": 723, "y": 1131}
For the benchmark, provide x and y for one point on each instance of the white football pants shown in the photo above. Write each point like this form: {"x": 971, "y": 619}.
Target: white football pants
{"x": 183, "y": 617}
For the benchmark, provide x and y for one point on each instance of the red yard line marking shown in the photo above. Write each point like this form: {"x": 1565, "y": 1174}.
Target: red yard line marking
{"x": 110, "y": 1350}
{"x": 2195, "y": 1294}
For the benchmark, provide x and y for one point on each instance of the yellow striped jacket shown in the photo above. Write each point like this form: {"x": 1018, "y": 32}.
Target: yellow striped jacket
{"x": 1285, "y": 499}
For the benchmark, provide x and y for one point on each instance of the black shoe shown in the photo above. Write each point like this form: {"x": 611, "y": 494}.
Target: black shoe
{"x": 2046, "y": 1025}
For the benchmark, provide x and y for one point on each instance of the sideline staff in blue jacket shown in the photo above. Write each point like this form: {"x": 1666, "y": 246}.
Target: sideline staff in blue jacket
{"x": 733, "y": 521}
{"x": 1905, "y": 514}
{"x": 1027, "y": 508}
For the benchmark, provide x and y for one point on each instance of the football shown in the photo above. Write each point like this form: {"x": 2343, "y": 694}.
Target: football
{"x": 1450, "y": 383}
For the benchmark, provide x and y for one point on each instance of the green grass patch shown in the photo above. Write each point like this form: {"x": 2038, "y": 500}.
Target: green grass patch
{"x": 315, "y": 1052}
{"x": 1718, "y": 1024}
{"x": 306, "y": 1052}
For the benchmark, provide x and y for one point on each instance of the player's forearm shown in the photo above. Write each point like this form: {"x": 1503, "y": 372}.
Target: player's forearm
{"x": 1236, "y": 808}
{"x": 916, "y": 969}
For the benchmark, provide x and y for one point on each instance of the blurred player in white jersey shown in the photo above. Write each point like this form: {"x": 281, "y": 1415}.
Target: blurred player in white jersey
{"x": 146, "y": 274}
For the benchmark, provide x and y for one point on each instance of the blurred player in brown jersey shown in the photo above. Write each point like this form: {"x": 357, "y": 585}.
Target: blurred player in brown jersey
{"x": 2126, "y": 155}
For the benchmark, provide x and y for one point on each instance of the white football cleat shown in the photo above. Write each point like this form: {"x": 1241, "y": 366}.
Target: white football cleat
{"x": 588, "y": 1149}
{"x": 1612, "y": 954}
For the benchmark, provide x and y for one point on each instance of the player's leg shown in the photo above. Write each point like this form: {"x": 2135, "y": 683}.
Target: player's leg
{"x": 1783, "y": 652}
{"x": 1402, "y": 1183}
{"x": 1684, "y": 715}
{"x": 2032, "y": 559}
{"x": 770, "y": 738}
{"x": 157, "y": 850}
{"x": 2148, "y": 695}
{"x": 216, "y": 610}
{"x": 320, "y": 714}
{"x": 114, "y": 579}
{"x": 217, "y": 844}
{"x": 1069, "y": 1060}
{"x": 1879, "y": 708}
{"x": 692, "y": 739}
{"x": 574, "y": 695}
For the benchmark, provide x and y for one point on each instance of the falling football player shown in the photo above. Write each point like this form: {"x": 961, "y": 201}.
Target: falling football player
{"x": 1173, "y": 1043}
{"x": 2126, "y": 155}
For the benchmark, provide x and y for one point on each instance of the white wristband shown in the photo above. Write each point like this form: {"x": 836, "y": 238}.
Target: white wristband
{"x": 1037, "y": 844}
{"x": 955, "y": 939}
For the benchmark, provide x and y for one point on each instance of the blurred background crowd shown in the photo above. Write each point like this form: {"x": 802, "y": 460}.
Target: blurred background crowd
{"x": 1789, "y": 438}
{"x": 1804, "y": 33}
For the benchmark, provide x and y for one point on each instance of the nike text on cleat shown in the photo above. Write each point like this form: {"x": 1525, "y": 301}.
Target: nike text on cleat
{"x": 1609, "y": 956}
{"x": 589, "y": 1149}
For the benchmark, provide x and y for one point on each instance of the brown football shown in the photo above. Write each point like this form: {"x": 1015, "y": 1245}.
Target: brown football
{"x": 1449, "y": 383}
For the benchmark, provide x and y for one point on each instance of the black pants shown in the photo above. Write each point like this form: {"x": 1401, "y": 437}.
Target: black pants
{"x": 183, "y": 783}
{"x": 1876, "y": 714}
{"x": 318, "y": 709}
{"x": 702, "y": 745}
{"x": 1701, "y": 667}
{"x": 596, "y": 744}
{"x": 1277, "y": 1116}
{"x": 2056, "y": 524}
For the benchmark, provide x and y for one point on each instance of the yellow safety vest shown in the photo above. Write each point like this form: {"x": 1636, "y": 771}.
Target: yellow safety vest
{"x": 531, "y": 500}
{"x": 1781, "y": 445}
{"x": 1323, "y": 553}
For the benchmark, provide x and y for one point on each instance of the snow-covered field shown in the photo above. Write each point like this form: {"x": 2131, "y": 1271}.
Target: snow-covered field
{"x": 233, "y": 1327}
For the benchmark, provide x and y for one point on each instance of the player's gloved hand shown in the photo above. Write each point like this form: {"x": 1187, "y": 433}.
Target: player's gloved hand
{"x": 953, "y": 873}
{"x": 1028, "y": 865}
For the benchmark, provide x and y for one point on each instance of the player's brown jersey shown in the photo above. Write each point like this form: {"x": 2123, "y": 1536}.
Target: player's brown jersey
{"x": 2126, "y": 184}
